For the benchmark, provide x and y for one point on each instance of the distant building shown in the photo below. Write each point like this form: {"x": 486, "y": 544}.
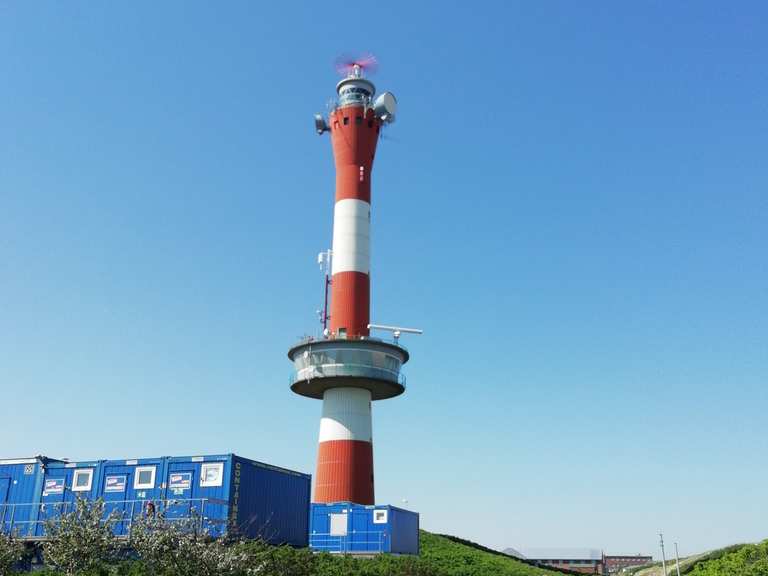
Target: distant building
{"x": 615, "y": 564}
{"x": 585, "y": 560}
{"x": 513, "y": 552}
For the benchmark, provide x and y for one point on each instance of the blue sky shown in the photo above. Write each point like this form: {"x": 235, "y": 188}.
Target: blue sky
{"x": 572, "y": 205}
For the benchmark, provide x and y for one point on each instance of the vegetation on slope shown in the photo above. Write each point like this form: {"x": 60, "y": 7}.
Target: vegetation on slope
{"x": 82, "y": 543}
{"x": 440, "y": 556}
{"x": 736, "y": 560}
{"x": 743, "y": 560}
{"x": 447, "y": 557}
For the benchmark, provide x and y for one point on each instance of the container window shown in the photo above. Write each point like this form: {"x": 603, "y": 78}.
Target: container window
{"x": 358, "y": 120}
{"x": 145, "y": 478}
{"x": 380, "y": 516}
{"x": 212, "y": 474}
{"x": 338, "y": 524}
{"x": 346, "y": 120}
{"x": 82, "y": 480}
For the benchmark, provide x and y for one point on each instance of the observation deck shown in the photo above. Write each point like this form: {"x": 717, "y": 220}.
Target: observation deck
{"x": 367, "y": 363}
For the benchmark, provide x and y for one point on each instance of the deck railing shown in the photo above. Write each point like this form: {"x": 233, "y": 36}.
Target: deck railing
{"x": 28, "y": 520}
{"x": 352, "y": 543}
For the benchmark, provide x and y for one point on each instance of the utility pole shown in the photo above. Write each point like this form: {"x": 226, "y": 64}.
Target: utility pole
{"x": 677, "y": 560}
{"x": 663, "y": 558}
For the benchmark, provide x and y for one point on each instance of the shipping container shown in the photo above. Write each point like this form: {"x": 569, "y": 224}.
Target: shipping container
{"x": 63, "y": 484}
{"x": 347, "y": 528}
{"x": 21, "y": 485}
{"x": 226, "y": 494}
{"x": 130, "y": 489}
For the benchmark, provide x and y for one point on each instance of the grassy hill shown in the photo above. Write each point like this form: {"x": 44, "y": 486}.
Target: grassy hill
{"x": 740, "y": 560}
{"x": 736, "y": 560}
{"x": 440, "y": 556}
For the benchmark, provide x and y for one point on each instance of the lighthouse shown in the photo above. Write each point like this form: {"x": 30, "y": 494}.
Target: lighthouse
{"x": 347, "y": 368}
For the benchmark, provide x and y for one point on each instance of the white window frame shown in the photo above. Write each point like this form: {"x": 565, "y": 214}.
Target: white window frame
{"x": 78, "y": 472}
{"x": 145, "y": 485}
{"x": 211, "y": 483}
{"x": 380, "y": 519}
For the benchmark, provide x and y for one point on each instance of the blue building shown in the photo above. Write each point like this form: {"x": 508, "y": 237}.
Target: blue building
{"x": 226, "y": 493}
{"x": 347, "y": 528}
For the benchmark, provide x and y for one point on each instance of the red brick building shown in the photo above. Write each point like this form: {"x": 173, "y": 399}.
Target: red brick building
{"x": 585, "y": 560}
{"x": 615, "y": 564}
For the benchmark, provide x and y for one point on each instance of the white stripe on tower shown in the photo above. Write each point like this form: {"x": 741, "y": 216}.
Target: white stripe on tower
{"x": 351, "y": 236}
{"x": 346, "y": 415}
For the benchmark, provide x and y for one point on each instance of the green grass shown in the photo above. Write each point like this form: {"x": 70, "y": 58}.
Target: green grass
{"x": 439, "y": 556}
{"x": 452, "y": 557}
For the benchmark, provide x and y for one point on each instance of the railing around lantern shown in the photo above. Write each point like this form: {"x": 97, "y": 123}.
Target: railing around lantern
{"x": 307, "y": 339}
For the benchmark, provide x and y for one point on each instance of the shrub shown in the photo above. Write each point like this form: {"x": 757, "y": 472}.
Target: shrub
{"x": 12, "y": 552}
{"x": 745, "y": 560}
{"x": 181, "y": 548}
{"x": 80, "y": 540}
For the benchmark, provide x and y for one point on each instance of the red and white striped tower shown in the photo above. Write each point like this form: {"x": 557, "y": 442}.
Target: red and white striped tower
{"x": 347, "y": 368}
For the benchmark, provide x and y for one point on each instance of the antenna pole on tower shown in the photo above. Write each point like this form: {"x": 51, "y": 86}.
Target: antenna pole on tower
{"x": 324, "y": 259}
{"x": 325, "y": 302}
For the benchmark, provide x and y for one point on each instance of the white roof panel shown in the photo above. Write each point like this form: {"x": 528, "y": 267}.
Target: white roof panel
{"x": 562, "y": 553}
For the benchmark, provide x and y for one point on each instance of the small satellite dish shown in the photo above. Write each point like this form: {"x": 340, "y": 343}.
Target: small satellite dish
{"x": 385, "y": 107}
{"x": 320, "y": 124}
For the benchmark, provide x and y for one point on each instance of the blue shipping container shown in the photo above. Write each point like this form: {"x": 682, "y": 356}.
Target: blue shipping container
{"x": 21, "y": 483}
{"x": 63, "y": 483}
{"x": 225, "y": 493}
{"x": 346, "y": 528}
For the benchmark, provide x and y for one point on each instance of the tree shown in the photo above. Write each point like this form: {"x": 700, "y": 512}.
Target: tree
{"x": 82, "y": 539}
{"x": 11, "y": 553}
{"x": 182, "y": 548}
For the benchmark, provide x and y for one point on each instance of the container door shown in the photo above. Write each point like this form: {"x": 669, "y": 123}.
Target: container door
{"x": 380, "y": 527}
{"x": 131, "y": 489}
{"x": 52, "y": 500}
{"x": 61, "y": 488}
{"x": 210, "y": 490}
{"x": 117, "y": 479}
{"x": 365, "y": 537}
{"x": 5, "y": 510}
{"x": 180, "y": 504}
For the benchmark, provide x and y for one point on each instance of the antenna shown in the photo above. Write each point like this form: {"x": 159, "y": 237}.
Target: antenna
{"x": 396, "y": 330}
{"x": 320, "y": 124}
{"x": 385, "y": 107}
{"x": 324, "y": 261}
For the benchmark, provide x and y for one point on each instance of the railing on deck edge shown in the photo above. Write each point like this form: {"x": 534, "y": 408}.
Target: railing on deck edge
{"x": 27, "y": 520}
{"x": 349, "y": 544}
